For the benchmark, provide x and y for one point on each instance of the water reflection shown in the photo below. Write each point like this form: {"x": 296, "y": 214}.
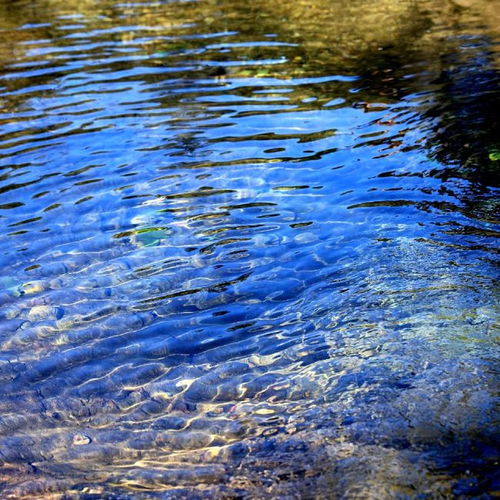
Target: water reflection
{"x": 244, "y": 255}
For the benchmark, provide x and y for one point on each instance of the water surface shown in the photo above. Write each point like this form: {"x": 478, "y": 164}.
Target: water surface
{"x": 248, "y": 249}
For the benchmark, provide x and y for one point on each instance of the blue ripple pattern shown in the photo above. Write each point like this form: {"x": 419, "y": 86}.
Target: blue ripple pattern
{"x": 248, "y": 251}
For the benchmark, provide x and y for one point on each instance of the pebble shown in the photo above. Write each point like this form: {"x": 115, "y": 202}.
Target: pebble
{"x": 81, "y": 439}
{"x": 38, "y": 313}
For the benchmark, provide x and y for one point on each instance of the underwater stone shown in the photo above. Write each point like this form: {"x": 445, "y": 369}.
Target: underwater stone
{"x": 81, "y": 439}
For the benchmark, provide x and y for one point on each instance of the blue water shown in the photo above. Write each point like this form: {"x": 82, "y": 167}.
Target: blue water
{"x": 248, "y": 251}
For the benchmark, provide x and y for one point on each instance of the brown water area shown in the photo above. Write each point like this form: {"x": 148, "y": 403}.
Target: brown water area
{"x": 249, "y": 249}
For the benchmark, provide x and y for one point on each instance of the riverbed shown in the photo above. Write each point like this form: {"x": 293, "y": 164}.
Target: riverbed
{"x": 249, "y": 249}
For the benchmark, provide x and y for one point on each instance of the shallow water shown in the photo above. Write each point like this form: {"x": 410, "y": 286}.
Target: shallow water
{"x": 248, "y": 250}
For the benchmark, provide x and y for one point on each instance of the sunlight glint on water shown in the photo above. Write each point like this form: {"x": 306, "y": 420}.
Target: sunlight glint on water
{"x": 248, "y": 249}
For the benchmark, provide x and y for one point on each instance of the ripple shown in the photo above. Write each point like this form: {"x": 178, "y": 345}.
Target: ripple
{"x": 247, "y": 249}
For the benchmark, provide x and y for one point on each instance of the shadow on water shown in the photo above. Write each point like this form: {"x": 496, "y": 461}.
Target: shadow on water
{"x": 248, "y": 250}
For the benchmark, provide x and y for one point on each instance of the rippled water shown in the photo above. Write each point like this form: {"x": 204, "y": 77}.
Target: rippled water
{"x": 248, "y": 249}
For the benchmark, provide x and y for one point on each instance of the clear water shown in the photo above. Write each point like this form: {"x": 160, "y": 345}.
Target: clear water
{"x": 248, "y": 249}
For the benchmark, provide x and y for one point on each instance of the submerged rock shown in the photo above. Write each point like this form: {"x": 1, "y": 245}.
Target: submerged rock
{"x": 81, "y": 439}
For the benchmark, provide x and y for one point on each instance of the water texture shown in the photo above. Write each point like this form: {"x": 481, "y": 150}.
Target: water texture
{"x": 249, "y": 249}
